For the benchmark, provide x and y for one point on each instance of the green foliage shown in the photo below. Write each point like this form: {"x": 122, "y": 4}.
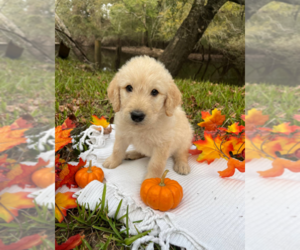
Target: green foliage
{"x": 150, "y": 20}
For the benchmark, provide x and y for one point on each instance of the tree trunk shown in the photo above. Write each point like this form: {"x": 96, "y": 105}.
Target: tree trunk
{"x": 65, "y": 35}
{"x": 10, "y": 26}
{"x": 189, "y": 33}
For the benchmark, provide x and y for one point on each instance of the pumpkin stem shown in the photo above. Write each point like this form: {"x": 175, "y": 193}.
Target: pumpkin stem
{"x": 162, "y": 180}
{"x": 90, "y": 167}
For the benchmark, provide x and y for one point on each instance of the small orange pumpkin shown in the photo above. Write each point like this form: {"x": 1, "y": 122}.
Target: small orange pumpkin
{"x": 86, "y": 175}
{"x": 160, "y": 193}
{"x": 43, "y": 177}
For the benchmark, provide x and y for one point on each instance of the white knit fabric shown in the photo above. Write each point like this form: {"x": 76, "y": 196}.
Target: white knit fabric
{"x": 210, "y": 216}
{"x": 272, "y": 209}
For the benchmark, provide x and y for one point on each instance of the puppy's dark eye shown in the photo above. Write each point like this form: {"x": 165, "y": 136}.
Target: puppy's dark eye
{"x": 129, "y": 88}
{"x": 154, "y": 92}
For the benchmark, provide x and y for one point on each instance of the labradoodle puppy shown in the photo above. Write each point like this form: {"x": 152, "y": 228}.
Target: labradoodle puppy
{"x": 149, "y": 116}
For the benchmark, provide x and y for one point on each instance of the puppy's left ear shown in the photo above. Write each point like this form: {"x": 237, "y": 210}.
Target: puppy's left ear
{"x": 113, "y": 92}
{"x": 173, "y": 99}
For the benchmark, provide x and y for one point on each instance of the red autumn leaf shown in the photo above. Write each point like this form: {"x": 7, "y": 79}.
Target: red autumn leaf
{"x": 63, "y": 201}
{"x": 211, "y": 122}
{"x": 195, "y": 151}
{"x": 71, "y": 243}
{"x": 67, "y": 175}
{"x": 26, "y": 242}
{"x": 21, "y": 123}
{"x": 10, "y": 203}
{"x": 70, "y": 122}
{"x": 24, "y": 178}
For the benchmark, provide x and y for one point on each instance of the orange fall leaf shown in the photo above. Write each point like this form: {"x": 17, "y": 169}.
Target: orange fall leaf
{"x": 63, "y": 201}
{"x": 10, "y": 203}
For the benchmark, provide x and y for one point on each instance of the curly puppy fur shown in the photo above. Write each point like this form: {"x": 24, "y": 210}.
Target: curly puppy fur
{"x": 164, "y": 131}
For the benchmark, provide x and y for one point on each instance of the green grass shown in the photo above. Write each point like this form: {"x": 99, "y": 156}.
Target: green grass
{"x": 26, "y": 87}
{"x": 101, "y": 232}
{"x": 82, "y": 91}
{"x": 281, "y": 103}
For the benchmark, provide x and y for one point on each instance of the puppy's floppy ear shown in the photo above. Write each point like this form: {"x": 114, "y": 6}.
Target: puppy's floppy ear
{"x": 173, "y": 99}
{"x": 113, "y": 92}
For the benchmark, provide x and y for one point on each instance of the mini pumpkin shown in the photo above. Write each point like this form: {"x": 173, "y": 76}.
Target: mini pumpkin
{"x": 43, "y": 177}
{"x": 86, "y": 175}
{"x": 161, "y": 193}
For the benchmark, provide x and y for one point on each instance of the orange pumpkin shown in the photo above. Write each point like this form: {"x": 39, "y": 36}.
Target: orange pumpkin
{"x": 86, "y": 175}
{"x": 232, "y": 164}
{"x": 43, "y": 177}
{"x": 160, "y": 193}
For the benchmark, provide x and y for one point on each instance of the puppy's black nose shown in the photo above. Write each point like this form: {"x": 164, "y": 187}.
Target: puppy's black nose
{"x": 137, "y": 116}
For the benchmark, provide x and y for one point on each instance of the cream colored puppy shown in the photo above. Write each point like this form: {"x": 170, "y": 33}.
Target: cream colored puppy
{"x": 148, "y": 116}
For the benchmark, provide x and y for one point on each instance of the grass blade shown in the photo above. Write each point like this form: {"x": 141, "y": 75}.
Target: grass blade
{"x": 127, "y": 228}
{"x": 86, "y": 244}
{"x": 103, "y": 198}
{"x": 118, "y": 209}
{"x": 103, "y": 229}
{"x": 107, "y": 243}
{"x": 129, "y": 241}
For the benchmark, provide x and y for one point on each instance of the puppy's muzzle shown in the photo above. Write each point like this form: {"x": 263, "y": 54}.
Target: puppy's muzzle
{"x": 137, "y": 116}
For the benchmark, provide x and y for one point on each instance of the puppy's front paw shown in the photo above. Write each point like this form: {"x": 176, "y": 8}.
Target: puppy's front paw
{"x": 182, "y": 168}
{"x": 110, "y": 162}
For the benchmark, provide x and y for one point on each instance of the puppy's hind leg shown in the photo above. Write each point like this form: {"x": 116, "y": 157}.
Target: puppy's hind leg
{"x": 133, "y": 155}
{"x": 181, "y": 165}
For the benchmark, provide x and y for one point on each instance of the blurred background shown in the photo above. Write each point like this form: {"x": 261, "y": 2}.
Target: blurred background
{"x": 126, "y": 28}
